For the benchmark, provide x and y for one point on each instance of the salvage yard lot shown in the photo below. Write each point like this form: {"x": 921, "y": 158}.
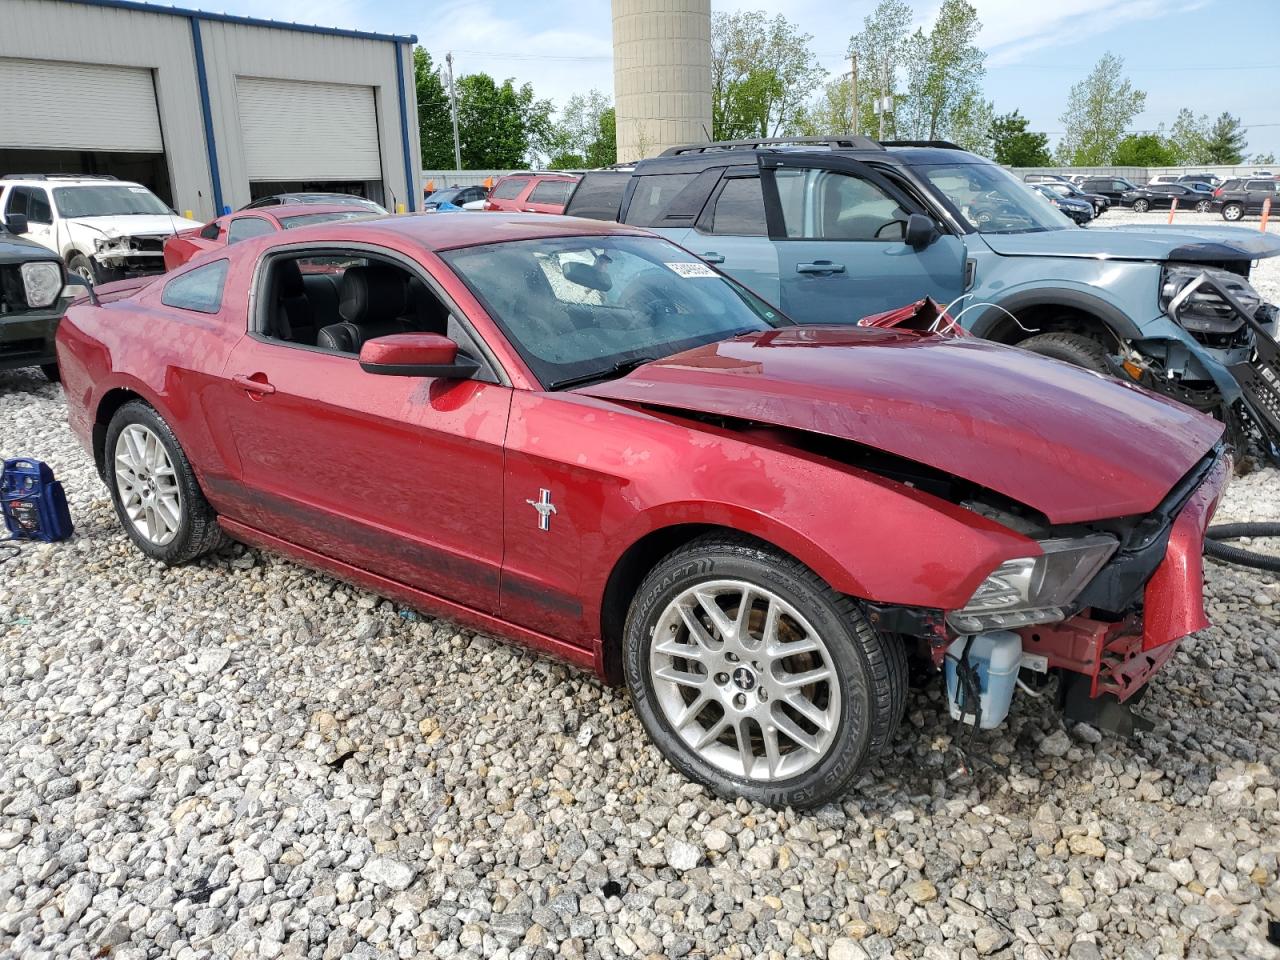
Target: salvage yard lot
{"x": 244, "y": 758}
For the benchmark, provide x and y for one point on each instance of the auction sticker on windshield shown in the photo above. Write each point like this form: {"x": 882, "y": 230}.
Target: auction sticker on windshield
{"x": 693, "y": 270}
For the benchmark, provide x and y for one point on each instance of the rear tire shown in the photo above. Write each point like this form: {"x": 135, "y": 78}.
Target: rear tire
{"x": 1073, "y": 348}
{"x": 155, "y": 492}
{"x": 845, "y": 716}
{"x": 1232, "y": 212}
{"x": 1141, "y": 206}
{"x": 1203, "y": 206}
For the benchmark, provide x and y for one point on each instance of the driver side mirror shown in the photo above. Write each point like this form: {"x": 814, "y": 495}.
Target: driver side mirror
{"x": 921, "y": 231}
{"x": 416, "y": 355}
{"x": 16, "y": 223}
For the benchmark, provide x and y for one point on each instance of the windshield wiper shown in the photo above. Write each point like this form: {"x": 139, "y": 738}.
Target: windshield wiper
{"x": 617, "y": 370}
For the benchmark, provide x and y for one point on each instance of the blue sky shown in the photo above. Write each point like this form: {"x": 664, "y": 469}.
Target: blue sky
{"x": 1175, "y": 50}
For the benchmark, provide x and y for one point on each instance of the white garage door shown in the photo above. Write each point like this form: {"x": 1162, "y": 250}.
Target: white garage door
{"x": 54, "y": 105}
{"x": 295, "y": 130}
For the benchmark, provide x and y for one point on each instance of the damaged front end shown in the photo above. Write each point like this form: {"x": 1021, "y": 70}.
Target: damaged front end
{"x": 1103, "y": 608}
{"x": 122, "y": 257}
{"x": 1230, "y": 364}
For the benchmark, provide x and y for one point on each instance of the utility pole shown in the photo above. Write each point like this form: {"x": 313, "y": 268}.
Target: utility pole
{"x": 453, "y": 109}
{"x": 853, "y": 76}
{"x": 886, "y": 102}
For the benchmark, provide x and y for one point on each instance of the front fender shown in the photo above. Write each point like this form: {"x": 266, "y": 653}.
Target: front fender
{"x": 982, "y": 320}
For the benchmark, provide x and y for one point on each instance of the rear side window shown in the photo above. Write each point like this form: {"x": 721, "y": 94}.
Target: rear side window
{"x": 739, "y": 209}
{"x": 242, "y": 228}
{"x": 509, "y": 189}
{"x": 199, "y": 289}
{"x": 598, "y": 195}
{"x": 1267, "y": 186}
{"x": 551, "y": 191}
{"x": 652, "y": 194}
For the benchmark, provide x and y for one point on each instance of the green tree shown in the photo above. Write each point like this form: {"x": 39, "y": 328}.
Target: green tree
{"x": 1016, "y": 146}
{"x": 1099, "y": 108}
{"x": 584, "y": 136}
{"x": 435, "y": 124}
{"x": 944, "y": 79}
{"x": 1264, "y": 158}
{"x": 830, "y": 112}
{"x": 1226, "y": 141}
{"x": 1145, "y": 150}
{"x": 1189, "y": 137}
{"x": 881, "y": 48}
{"x": 500, "y": 126}
{"x": 762, "y": 72}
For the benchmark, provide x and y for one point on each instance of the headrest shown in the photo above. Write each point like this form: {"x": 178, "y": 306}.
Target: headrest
{"x": 289, "y": 279}
{"x": 373, "y": 293}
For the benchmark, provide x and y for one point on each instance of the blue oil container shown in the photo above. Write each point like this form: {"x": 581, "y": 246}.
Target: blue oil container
{"x": 996, "y": 656}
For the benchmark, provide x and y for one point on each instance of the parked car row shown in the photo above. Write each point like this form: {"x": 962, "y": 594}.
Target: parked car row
{"x": 1235, "y": 198}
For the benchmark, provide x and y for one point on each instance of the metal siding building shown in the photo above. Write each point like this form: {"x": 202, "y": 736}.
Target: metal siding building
{"x": 209, "y": 110}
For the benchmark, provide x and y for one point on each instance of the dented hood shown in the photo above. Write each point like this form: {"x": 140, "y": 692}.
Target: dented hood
{"x": 1069, "y": 443}
{"x": 1195, "y": 244}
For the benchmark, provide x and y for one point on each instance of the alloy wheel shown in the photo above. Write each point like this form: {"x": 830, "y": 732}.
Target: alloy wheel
{"x": 147, "y": 484}
{"x": 744, "y": 680}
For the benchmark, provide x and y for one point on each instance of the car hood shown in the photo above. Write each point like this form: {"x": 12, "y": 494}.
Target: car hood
{"x": 1139, "y": 242}
{"x": 1072, "y": 444}
{"x": 133, "y": 225}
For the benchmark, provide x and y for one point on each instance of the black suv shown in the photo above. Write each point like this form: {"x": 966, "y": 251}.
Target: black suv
{"x": 31, "y": 300}
{"x": 1248, "y": 197}
{"x": 1113, "y": 188}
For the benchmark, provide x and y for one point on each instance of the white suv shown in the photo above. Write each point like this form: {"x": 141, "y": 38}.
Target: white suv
{"x": 102, "y": 228}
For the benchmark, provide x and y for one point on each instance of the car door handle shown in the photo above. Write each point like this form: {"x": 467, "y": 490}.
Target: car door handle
{"x": 255, "y": 383}
{"x": 820, "y": 266}
{"x": 712, "y": 257}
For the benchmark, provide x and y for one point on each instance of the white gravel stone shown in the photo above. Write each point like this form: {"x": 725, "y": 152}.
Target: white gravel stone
{"x": 388, "y": 872}
{"x": 682, "y": 855}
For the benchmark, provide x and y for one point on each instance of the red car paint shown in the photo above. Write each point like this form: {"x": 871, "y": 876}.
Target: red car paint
{"x": 420, "y": 489}
{"x": 184, "y": 245}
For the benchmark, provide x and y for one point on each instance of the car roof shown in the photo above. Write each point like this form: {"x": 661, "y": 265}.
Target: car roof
{"x": 448, "y": 231}
{"x": 64, "y": 180}
{"x": 907, "y": 155}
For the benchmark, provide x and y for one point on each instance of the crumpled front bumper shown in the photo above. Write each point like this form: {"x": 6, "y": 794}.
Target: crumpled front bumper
{"x": 1119, "y": 657}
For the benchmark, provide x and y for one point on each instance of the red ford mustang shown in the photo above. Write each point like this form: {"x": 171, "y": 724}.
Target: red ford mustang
{"x": 577, "y": 435}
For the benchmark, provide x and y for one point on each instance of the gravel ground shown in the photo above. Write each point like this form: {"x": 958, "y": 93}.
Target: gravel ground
{"x": 243, "y": 758}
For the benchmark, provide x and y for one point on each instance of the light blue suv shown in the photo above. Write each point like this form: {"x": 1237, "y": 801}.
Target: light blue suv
{"x": 834, "y": 229}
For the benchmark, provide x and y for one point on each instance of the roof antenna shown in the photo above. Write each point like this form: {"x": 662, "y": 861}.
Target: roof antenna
{"x": 706, "y": 132}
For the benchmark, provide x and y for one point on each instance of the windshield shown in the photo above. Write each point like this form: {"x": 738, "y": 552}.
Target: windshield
{"x": 583, "y": 308}
{"x": 992, "y": 200}
{"x": 306, "y": 219}
{"x": 109, "y": 200}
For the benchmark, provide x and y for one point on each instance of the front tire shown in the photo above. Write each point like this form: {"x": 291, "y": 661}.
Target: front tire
{"x": 1141, "y": 206}
{"x": 1203, "y": 206}
{"x": 154, "y": 489}
{"x": 51, "y": 372}
{"x": 753, "y": 677}
{"x": 1232, "y": 212}
{"x": 83, "y": 267}
{"x": 1073, "y": 348}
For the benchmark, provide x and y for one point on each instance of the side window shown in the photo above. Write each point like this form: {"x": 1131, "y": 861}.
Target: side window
{"x": 551, "y": 191}
{"x": 33, "y": 202}
{"x": 199, "y": 289}
{"x": 210, "y": 230}
{"x": 738, "y": 209}
{"x": 242, "y": 228}
{"x": 652, "y": 195}
{"x": 509, "y": 189}
{"x": 822, "y": 204}
{"x": 1120, "y": 186}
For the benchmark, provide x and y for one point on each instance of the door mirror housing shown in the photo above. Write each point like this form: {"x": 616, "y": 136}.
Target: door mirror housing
{"x": 921, "y": 231}
{"x": 16, "y": 223}
{"x": 416, "y": 355}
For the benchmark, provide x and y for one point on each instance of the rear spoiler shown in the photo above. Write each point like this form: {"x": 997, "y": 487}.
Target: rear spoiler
{"x": 108, "y": 292}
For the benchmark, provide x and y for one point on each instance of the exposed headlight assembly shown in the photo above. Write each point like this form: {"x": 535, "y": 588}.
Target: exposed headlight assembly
{"x": 1039, "y": 589}
{"x": 41, "y": 281}
{"x": 114, "y": 245}
{"x": 1199, "y": 308}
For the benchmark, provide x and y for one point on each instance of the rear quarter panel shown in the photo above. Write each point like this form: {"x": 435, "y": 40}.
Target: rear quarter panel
{"x": 169, "y": 357}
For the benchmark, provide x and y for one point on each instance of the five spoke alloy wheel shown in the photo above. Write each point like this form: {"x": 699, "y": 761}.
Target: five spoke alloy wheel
{"x": 744, "y": 680}
{"x": 147, "y": 484}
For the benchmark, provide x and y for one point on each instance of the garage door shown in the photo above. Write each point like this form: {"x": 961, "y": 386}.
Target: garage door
{"x": 295, "y": 130}
{"x": 53, "y": 105}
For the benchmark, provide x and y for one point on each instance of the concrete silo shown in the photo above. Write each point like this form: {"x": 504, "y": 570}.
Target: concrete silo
{"x": 661, "y": 74}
